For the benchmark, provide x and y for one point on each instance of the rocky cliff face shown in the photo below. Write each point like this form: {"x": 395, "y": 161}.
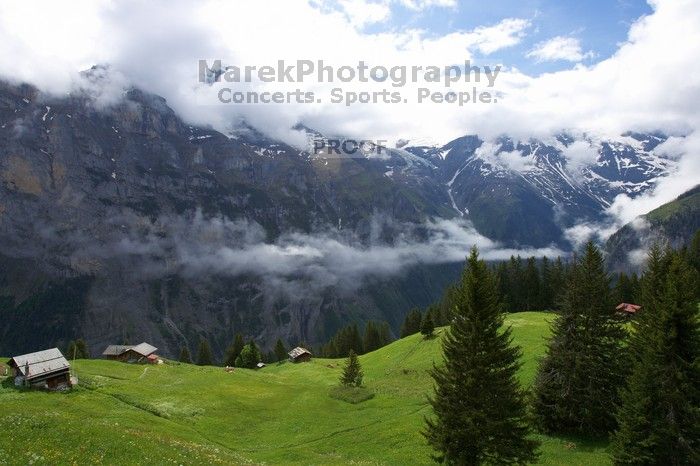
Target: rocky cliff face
{"x": 672, "y": 224}
{"x": 122, "y": 223}
{"x": 104, "y": 210}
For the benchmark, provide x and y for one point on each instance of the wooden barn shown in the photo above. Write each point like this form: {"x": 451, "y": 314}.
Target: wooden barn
{"x": 46, "y": 369}
{"x": 142, "y": 353}
{"x": 299, "y": 354}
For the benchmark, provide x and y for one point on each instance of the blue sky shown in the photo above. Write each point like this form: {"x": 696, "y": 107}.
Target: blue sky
{"x": 599, "y": 25}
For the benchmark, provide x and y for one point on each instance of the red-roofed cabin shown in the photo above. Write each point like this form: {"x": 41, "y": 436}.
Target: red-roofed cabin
{"x": 628, "y": 309}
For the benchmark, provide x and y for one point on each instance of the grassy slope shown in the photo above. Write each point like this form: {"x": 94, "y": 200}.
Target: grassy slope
{"x": 182, "y": 414}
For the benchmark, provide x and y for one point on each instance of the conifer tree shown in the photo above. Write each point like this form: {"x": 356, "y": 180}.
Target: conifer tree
{"x": 531, "y": 285}
{"x": 204, "y": 356}
{"x": 280, "y": 351}
{"x": 659, "y": 418}
{"x": 249, "y": 357}
{"x": 546, "y": 297}
{"x": 427, "y": 327}
{"x": 411, "y": 323}
{"x": 77, "y": 350}
{"x": 694, "y": 251}
{"x": 635, "y": 288}
{"x": 479, "y": 408}
{"x": 352, "y": 372}
{"x": 557, "y": 282}
{"x": 577, "y": 384}
{"x": 624, "y": 292}
{"x": 370, "y": 341}
{"x": 185, "y": 355}
{"x": 234, "y": 350}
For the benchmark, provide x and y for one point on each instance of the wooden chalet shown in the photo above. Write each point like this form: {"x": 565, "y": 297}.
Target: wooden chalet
{"x": 142, "y": 353}
{"x": 627, "y": 309}
{"x": 46, "y": 369}
{"x": 300, "y": 354}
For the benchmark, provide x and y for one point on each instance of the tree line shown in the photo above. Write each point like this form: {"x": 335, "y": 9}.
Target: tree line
{"x": 238, "y": 353}
{"x": 636, "y": 382}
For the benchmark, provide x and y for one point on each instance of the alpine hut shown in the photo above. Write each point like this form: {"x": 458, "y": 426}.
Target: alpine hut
{"x": 142, "y": 353}
{"x": 299, "y": 354}
{"x": 628, "y": 309}
{"x": 44, "y": 369}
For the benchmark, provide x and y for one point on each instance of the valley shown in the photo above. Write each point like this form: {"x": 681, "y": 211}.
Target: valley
{"x": 281, "y": 414}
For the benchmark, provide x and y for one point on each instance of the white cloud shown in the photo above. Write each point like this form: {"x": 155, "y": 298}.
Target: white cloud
{"x": 638, "y": 257}
{"x": 200, "y": 246}
{"x": 559, "y": 48}
{"x": 686, "y": 177}
{"x": 363, "y": 12}
{"x": 580, "y": 153}
{"x": 419, "y": 5}
{"x": 516, "y": 161}
{"x": 509, "y": 32}
{"x": 650, "y": 83}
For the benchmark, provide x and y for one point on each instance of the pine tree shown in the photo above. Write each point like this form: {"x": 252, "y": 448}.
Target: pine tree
{"x": 83, "y": 351}
{"x": 234, "y": 350}
{"x": 427, "y": 327}
{"x": 77, "y": 350}
{"x": 352, "y": 372}
{"x": 185, "y": 355}
{"x": 694, "y": 251}
{"x": 72, "y": 350}
{"x": 531, "y": 285}
{"x": 624, "y": 292}
{"x": 280, "y": 351}
{"x": 479, "y": 408}
{"x": 504, "y": 286}
{"x": 635, "y": 288}
{"x": 204, "y": 356}
{"x": 546, "y": 297}
{"x": 411, "y": 323}
{"x": 249, "y": 357}
{"x": 659, "y": 417}
{"x": 576, "y": 388}
{"x": 384, "y": 334}
{"x": 557, "y": 282}
{"x": 370, "y": 341}
{"x": 517, "y": 298}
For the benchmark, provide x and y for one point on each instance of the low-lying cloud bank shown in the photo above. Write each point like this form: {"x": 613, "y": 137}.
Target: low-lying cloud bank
{"x": 198, "y": 247}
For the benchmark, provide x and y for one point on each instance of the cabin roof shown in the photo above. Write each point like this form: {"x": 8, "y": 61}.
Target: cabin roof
{"x": 627, "y": 307}
{"x": 144, "y": 349}
{"x": 40, "y": 363}
{"x": 298, "y": 351}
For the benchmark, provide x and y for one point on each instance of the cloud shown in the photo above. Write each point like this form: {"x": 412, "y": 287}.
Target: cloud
{"x": 516, "y": 161}
{"x": 363, "y": 12}
{"x": 559, "y": 48}
{"x": 686, "y": 176}
{"x": 651, "y": 82}
{"x": 580, "y": 153}
{"x": 491, "y": 152}
{"x": 196, "y": 246}
{"x": 419, "y": 5}
{"x": 581, "y": 233}
{"x": 509, "y": 32}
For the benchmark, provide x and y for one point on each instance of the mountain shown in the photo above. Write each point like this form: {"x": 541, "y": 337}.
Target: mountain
{"x": 527, "y": 193}
{"x": 672, "y": 224}
{"x": 121, "y": 223}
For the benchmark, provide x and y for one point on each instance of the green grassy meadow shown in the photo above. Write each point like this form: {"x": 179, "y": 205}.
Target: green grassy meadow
{"x": 282, "y": 414}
